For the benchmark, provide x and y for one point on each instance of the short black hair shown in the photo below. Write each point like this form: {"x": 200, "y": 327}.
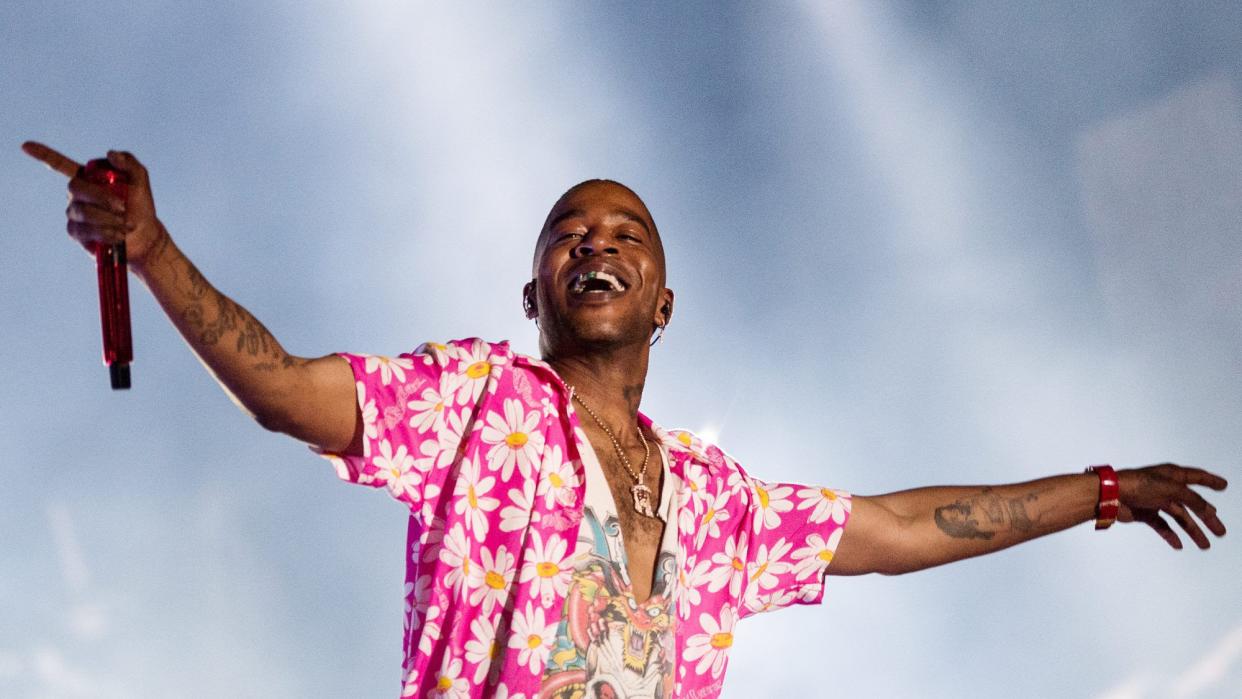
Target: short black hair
{"x": 543, "y": 231}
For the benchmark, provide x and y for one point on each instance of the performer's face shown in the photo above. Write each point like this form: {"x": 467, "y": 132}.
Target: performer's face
{"x": 602, "y": 228}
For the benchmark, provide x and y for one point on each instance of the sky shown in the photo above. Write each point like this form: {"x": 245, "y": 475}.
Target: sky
{"x": 912, "y": 243}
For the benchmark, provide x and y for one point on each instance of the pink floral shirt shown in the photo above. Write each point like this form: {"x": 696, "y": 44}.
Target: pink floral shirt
{"x": 484, "y": 448}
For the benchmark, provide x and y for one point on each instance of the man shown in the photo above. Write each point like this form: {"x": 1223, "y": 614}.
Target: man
{"x": 561, "y": 543}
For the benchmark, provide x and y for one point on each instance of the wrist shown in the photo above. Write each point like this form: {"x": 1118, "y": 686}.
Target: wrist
{"x": 156, "y": 254}
{"x": 1108, "y": 498}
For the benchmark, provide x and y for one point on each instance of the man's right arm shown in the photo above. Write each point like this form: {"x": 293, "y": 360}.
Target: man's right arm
{"x": 313, "y": 400}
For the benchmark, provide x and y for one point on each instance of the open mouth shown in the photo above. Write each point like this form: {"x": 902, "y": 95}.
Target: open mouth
{"x": 600, "y": 282}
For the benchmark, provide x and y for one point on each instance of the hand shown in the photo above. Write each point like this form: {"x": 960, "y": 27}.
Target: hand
{"x": 96, "y": 216}
{"x": 1145, "y": 492}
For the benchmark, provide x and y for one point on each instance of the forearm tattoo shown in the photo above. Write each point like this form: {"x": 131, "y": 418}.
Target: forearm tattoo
{"x": 984, "y": 515}
{"x": 229, "y": 321}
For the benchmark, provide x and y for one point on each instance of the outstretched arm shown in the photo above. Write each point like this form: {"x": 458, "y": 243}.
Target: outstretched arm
{"x": 915, "y": 529}
{"x": 310, "y": 399}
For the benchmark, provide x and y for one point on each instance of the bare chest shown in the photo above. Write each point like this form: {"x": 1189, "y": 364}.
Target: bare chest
{"x": 641, "y": 535}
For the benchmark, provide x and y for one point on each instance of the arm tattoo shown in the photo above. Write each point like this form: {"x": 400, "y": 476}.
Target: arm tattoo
{"x": 956, "y": 521}
{"x": 982, "y": 516}
{"x": 229, "y": 318}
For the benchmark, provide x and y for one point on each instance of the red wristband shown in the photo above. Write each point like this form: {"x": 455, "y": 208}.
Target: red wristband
{"x": 1110, "y": 493}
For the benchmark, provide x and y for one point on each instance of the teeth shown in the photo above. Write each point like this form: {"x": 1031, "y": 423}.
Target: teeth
{"x": 579, "y": 284}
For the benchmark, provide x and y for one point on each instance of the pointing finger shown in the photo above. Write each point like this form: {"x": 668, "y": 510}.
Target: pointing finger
{"x": 1198, "y": 476}
{"x": 51, "y": 158}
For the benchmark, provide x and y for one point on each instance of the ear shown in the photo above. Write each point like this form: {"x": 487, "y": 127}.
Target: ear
{"x": 664, "y": 314}
{"x": 528, "y": 300}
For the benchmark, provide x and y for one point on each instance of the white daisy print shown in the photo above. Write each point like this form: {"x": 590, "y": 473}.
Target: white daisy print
{"x": 449, "y": 682}
{"x": 477, "y": 365}
{"x": 417, "y": 594}
{"x": 560, "y": 479}
{"x": 431, "y": 497}
{"x": 517, "y": 514}
{"x": 397, "y": 471}
{"x": 439, "y": 453}
{"x": 769, "y": 601}
{"x": 773, "y": 499}
{"x": 547, "y": 567}
{"x": 696, "y": 482}
{"x": 815, "y": 556}
{"x": 464, "y": 573}
{"x": 430, "y": 543}
{"x": 431, "y": 629}
{"x": 689, "y": 596}
{"x": 709, "y": 523}
{"x": 826, "y": 503}
{"x": 429, "y": 409}
{"x": 388, "y": 367}
{"x": 729, "y": 567}
{"x": 533, "y": 636}
{"x": 482, "y": 648}
{"x": 513, "y": 439}
{"x": 342, "y": 468}
{"x": 689, "y": 441}
{"x": 711, "y": 648}
{"x": 548, "y": 407}
{"x": 471, "y": 499}
{"x": 502, "y": 692}
{"x": 434, "y": 353}
{"x": 369, "y": 415}
{"x": 409, "y": 682}
{"x": 450, "y": 437}
{"x": 497, "y": 577}
{"x": 769, "y": 564}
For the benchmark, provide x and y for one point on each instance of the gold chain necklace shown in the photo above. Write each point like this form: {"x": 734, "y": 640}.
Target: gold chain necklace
{"x": 640, "y": 492}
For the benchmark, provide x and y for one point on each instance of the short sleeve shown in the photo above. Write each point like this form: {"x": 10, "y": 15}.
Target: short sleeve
{"x": 794, "y": 532}
{"x": 413, "y": 409}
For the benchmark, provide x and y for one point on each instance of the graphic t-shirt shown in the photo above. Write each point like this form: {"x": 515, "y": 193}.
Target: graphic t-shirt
{"x": 608, "y": 645}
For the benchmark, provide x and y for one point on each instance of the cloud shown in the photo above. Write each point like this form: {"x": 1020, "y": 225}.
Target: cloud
{"x": 11, "y": 665}
{"x": 1161, "y": 189}
{"x": 1210, "y": 668}
{"x": 58, "y": 676}
{"x": 1201, "y": 676}
{"x": 86, "y": 619}
{"x": 72, "y": 563}
{"x": 1132, "y": 688}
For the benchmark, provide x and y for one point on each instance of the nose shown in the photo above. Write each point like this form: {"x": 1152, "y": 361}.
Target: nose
{"x": 594, "y": 243}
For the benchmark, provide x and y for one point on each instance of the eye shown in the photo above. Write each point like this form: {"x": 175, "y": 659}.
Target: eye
{"x": 571, "y": 235}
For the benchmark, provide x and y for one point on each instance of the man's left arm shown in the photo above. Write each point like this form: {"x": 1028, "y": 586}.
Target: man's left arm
{"x": 915, "y": 529}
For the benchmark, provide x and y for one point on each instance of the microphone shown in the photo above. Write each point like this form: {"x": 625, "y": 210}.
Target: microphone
{"x": 110, "y": 264}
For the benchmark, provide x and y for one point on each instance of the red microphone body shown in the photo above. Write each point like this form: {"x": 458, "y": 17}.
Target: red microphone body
{"x": 110, "y": 264}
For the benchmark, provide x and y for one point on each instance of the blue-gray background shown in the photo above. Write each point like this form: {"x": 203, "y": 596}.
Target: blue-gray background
{"x": 912, "y": 243}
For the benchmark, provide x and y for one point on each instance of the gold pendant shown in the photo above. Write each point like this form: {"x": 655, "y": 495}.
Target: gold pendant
{"x": 642, "y": 500}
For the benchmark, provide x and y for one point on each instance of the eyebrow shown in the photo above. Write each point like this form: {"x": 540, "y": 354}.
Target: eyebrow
{"x": 622, "y": 212}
